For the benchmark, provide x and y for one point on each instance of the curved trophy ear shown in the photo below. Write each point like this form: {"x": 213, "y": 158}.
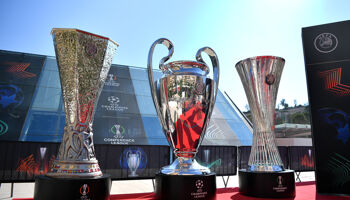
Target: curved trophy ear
{"x": 128, "y": 153}
{"x": 214, "y": 60}
{"x": 166, "y": 43}
{"x": 139, "y": 154}
{"x": 170, "y": 47}
{"x": 216, "y": 70}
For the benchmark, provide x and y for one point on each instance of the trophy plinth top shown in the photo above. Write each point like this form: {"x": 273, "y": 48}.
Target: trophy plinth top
{"x": 186, "y": 67}
{"x": 260, "y": 58}
{"x": 84, "y": 32}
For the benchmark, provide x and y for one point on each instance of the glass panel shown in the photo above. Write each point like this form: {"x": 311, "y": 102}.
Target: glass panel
{"x": 141, "y": 87}
{"x": 50, "y": 78}
{"x": 154, "y": 131}
{"x": 47, "y": 99}
{"x": 51, "y": 64}
{"x": 146, "y": 105}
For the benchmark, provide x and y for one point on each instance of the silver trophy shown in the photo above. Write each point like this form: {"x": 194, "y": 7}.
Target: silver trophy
{"x": 133, "y": 159}
{"x": 260, "y": 77}
{"x": 184, "y": 100}
{"x": 83, "y": 60}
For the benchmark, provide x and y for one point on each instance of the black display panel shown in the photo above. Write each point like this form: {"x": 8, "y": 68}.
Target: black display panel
{"x": 132, "y": 162}
{"x": 327, "y": 64}
{"x": 19, "y": 74}
{"x": 22, "y": 161}
{"x": 219, "y": 159}
{"x": 302, "y": 159}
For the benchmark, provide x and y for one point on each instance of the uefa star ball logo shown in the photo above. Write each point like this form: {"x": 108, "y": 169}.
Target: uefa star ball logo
{"x": 326, "y": 42}
{"x": 199, "y": 88}
{"x": 199, "y": 184}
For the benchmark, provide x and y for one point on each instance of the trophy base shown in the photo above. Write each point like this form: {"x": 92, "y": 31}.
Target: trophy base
{"x": 175, "y": 187}
{"x": 72, "y": 188}
{"x": 267, "y": 184}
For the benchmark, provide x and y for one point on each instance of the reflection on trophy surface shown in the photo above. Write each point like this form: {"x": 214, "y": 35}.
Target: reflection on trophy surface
{"x": 133, "y": 162}
{"x": 206, "y": 156}
{"x": 83, "y": 60}
{"x": 184, "y": 99}
{"x": 42, "y": 157}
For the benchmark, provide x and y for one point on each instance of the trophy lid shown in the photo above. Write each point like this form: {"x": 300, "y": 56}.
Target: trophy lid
{"x": 185, "y": 67}
{"x": 84, "y": 32}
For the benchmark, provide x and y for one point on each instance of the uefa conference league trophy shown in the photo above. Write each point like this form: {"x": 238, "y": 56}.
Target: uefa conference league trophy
{"x": 265, "y": 176}
{"x": 84, "y": 60}
{"x": 184, "y": 100}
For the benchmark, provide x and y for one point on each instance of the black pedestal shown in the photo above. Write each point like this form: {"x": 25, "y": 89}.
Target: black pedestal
{"x": 176, "y": 187}
{"x": 267, "y": 184}
{"x": 72, "y": 188}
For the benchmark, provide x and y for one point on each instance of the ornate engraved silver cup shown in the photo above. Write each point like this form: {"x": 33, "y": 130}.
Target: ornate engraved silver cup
{"x": 133, "y": 162}
{"x": 184, "y": 100}
{"x": 83, "y": 60}
{"x": 260, "y": 77}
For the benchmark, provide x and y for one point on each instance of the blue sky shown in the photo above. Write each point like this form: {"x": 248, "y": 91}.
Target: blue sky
{"x": 235, "y": 29}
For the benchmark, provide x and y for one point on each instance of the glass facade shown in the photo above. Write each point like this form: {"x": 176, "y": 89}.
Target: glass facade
{"x": 125, "y": 113}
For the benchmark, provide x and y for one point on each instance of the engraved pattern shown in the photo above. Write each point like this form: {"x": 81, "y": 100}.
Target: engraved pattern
{"x": 83, "y": 60}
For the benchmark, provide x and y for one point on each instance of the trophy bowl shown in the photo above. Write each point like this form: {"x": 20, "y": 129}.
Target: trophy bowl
{"x": 265, "y": 175}
{"x": 184, "y": 100}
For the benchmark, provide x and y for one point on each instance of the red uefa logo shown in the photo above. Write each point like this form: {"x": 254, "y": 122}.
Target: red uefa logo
{"x": 84, "y": 189}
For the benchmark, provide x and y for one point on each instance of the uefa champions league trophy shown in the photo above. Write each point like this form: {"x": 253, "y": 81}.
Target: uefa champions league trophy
{"x": 265, "y": 176}
{"x": 184, "y": 99}
{"x": 83, "y": 61}
{"x": 134, "y": 160}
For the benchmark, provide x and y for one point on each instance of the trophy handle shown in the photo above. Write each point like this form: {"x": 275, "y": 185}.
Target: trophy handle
{"x": 215, "y": 62}
{"x": 170, "y": 47}
{"x": 128, "y": 153}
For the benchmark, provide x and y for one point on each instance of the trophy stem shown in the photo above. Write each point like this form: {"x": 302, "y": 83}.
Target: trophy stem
{"x": 264, "y": 149}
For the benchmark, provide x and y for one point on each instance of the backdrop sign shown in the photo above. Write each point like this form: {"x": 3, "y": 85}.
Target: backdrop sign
{"x": 327, "y": 64}
{"x": 19, "y": 75}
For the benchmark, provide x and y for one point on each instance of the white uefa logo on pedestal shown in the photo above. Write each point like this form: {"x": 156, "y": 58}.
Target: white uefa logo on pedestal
{"x": 326, "y": 42}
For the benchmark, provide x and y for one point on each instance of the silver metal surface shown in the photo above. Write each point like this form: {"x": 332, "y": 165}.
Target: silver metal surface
{"x": 260, "y": 77}
{"x": 83, "y": 60}
{"x": 184, "y": 99}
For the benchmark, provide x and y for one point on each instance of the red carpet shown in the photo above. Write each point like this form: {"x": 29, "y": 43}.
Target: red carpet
{"x": 304, "y": 191}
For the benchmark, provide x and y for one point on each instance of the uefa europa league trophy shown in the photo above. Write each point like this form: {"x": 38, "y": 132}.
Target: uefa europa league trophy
{"x": 265, "y": 176}
{"x": 184, "y": 100}
{"x": 133, "y": 162}
{"x": 83, "y": 61}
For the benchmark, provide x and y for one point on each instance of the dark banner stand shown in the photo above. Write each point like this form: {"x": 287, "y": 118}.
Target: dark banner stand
{"x": 327, "y": 65}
